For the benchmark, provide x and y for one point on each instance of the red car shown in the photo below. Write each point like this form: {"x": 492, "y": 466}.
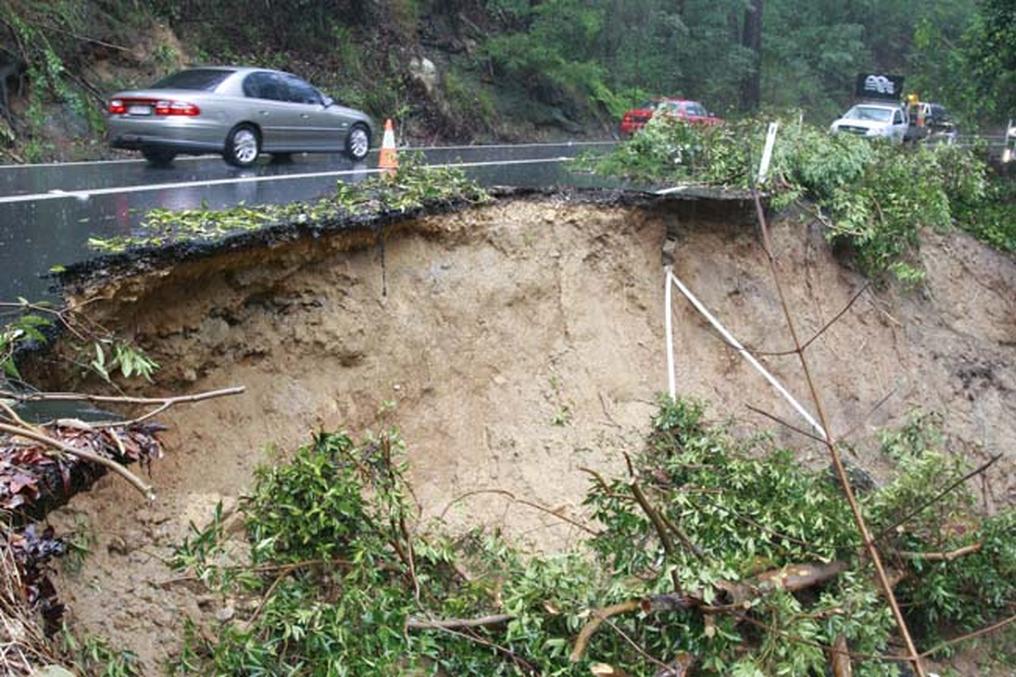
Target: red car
{"x": 692, "y": 111}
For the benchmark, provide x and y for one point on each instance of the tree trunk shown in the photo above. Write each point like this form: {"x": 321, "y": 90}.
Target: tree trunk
{"x": 751, "y": 39}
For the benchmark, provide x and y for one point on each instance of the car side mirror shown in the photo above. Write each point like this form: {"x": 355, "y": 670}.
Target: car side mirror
{"x": 328, "y": 102}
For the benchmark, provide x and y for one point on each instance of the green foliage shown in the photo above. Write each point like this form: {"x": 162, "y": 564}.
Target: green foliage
{"x": 548, "y": 53}
{"x": 93, "y": 656}
{"x": 468, "y": 101}
{"x": 24, "y": 324}
{"x": 337, "y": 561}
{"x": 872, "y": 195}
{"x": 24, "y": 328}
{"x": 114, "y": 355}
{"x": 411, "y": 187}
{"x": 993, "y": 219}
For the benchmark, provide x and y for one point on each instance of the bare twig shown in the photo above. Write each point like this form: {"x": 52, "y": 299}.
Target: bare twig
{"x": 15, "y": 419}
{"x": 825, "y": 327}
{"x": 514, "y": 499}
{"x": 457, "y": 623}
{"x": 161, "y": 403}
{"x": 942, "y": 556}
{"x": 115, "y": 399}
{"x": 970, "y": 635}
{"x": 801, "y": 640}
{"x": 869, "y": 543}
{"x": 937, "y": 497}
{"x": 635, "y": 645}
{"x": 871, "y": 412}
{"x": 598, "y": 617}
{"x": 688, "y": 543}
{"x": 661, "y": 529}
{"x": 263, "y": 568}
{"x": 53, "y": 443}
{"x": 511, "y": 655}
{"x": 787, "y": 424}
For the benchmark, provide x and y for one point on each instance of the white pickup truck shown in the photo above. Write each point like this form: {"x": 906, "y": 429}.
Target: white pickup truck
{"x": 878, "y": 120}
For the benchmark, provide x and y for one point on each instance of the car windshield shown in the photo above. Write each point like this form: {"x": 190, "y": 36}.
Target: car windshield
{"x": 203, "y": 79}
{"x": 873, "y": 113}
{"x": 695, "y": 109}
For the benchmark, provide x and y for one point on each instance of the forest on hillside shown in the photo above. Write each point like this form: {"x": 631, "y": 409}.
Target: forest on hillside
{"x": 512, "y": 68}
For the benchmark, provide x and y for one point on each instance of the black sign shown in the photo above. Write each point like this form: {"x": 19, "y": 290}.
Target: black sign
{"x": 877, "y": 86}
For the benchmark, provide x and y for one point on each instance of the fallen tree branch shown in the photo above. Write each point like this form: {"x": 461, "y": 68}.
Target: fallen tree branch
{"x": 840, "y": 662}
{"x": 457, "y": 623}
{"x": 598, "y": 617}
{"x": 161, "y": 403}
{"x": 869, "y": 543}
{"x": 791, "y": 578}
{"x": 110, "y": 464}
{"x": 942, "y": 556}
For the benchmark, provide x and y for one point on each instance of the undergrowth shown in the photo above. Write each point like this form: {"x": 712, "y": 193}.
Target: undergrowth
{"x": 871, "y": 195}
{"x": 339, "y": 575}
{"x": 92, "y": 348}
{"x": 412, "y": 186}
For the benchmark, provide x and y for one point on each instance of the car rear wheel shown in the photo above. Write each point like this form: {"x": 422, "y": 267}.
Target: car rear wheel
{"x": 243, "y": 146}
{"x": 159, "y": 158}
{"x": 358, "y": 142}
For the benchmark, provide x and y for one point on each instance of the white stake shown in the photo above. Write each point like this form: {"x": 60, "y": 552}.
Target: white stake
{"x": 736, "y": 345}
{"x": 669, "y": 322}
{"x": 767, "y": 153}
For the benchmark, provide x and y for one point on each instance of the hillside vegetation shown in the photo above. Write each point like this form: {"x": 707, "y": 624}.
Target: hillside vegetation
{"x": 507, "y": 69}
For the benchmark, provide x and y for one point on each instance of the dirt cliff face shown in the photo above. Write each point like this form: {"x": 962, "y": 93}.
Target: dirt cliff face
{"x": 513, "y": 345}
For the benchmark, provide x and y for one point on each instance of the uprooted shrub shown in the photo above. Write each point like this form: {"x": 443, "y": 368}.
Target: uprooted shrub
{"x": 871, "y": 195}
{"x": 718, "y": 552}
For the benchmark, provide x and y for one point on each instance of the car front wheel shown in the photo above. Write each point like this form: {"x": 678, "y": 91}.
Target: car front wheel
{"x": 358, "y": 142}
{"x": 243, "y": 146}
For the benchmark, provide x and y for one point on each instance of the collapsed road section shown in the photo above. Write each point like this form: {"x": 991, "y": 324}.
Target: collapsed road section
{"x": 515, "y": 344}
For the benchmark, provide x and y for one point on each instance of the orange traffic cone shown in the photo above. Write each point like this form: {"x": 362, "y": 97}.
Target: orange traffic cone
{"x": 389, "y": 158}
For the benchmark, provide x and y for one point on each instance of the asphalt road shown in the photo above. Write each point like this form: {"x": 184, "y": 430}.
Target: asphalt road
{"x": 48, "y": 211}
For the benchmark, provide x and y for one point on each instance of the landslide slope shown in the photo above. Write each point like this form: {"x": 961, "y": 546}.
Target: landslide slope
{"x": 513, "y": 344}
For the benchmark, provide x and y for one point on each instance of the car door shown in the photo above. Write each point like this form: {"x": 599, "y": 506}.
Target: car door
{"x": 318, "y": 129}
{"x": 269, "y": 109}
{"x": 327, "y": 125}
{"x": 899, "y": 125}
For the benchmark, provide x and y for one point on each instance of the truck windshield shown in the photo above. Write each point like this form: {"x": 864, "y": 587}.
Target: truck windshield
{"x": 872, "y": 113}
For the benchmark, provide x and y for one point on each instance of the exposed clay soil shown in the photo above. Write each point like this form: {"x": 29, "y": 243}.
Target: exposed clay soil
{"x": 518, "y": 342}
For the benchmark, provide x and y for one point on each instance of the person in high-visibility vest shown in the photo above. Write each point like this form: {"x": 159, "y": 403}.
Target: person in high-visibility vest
{"x": 916, "y": 109}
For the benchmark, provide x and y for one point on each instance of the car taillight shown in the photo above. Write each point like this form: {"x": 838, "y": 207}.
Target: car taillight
{"x": 176, "y": 108}
{"x": 116, "y": 107}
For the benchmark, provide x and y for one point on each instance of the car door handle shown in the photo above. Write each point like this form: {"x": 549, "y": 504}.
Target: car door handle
{"x": 305, "y": 116}
{"x": 263, "y": 112}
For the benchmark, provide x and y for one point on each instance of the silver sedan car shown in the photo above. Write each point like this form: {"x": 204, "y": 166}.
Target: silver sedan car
{"x": 238, "y": 112}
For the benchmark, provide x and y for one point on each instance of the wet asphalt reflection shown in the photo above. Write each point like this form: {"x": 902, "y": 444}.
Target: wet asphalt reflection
{"x": 48, "y": 212}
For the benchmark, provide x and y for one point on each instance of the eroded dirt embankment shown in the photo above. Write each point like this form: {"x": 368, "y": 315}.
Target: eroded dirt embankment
{"x": 513, "y": 344}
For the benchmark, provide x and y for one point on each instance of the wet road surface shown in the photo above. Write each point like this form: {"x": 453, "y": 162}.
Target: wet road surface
{"x": 48, "y": 212}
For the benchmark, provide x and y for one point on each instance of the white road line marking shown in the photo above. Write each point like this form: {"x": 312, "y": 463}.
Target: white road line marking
{"x": 78, "y": 163}
{"x": 86, "y": 194}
